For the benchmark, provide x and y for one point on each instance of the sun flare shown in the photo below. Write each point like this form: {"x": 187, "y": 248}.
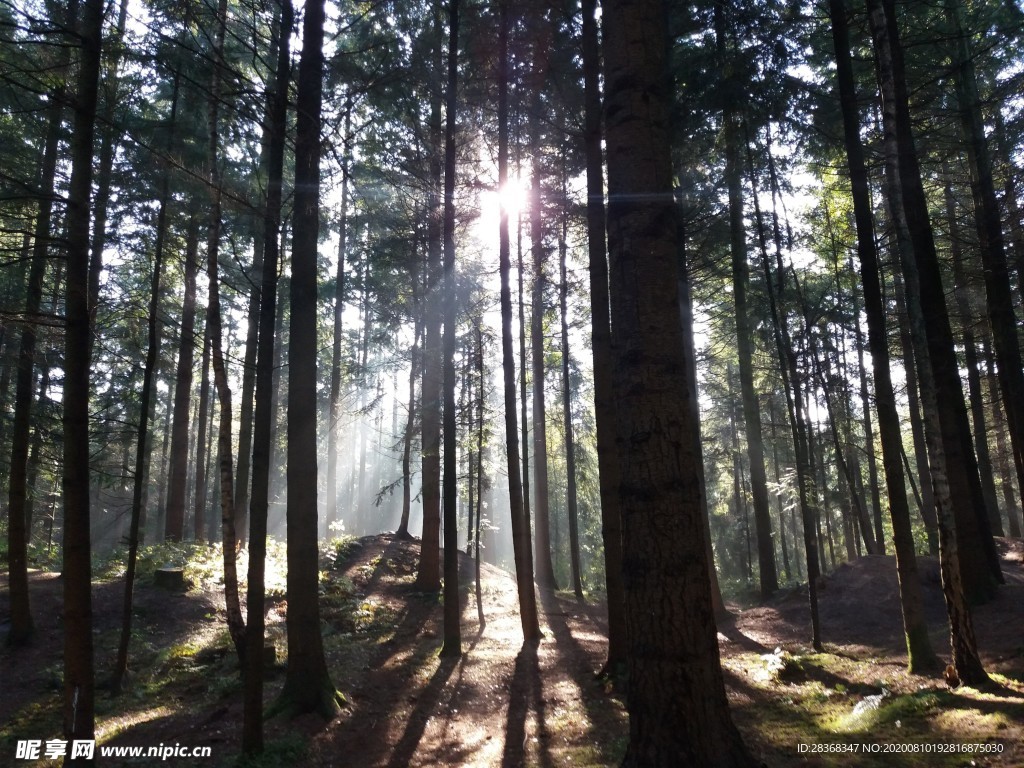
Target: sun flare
{"x": 513, "y": 196}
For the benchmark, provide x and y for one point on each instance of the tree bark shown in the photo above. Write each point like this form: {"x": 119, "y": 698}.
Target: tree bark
{"x": 79, "y": 674}
{"x": 17, "y": 530}
{"x": 307, "y": 685}
{"x": 677, "y": 706}
{"x": 204, "y": 418}
{"x": 236, "y": 625}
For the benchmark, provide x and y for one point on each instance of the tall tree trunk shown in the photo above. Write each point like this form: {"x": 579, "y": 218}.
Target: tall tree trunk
{"x": 570, "y": 444}
{"x": 276, "y": 126}
{"x": 428, "y": 578}
{"x": 541, "y": 514}
{"x": 245, "y": 415}
{"x": 17, "y": 531}
{"x": 604, "y": 399}
{"x": 677, "y": 706}
{"x": 105, "y": 159}
{"x": 307, "y": 685}
{"x": 452, "y": 646}
{"x": 79, "y": 674}
{"x": 480, "y": 426}
{"x": 520, "y": 522}
{"x": 334, "y": 417}
{"x": 203, "y": 419}
{"x": 978, "y": 559}
{"x": 920, "y": 656}
{"x": 768, "y": 576}
{"x": 974, "y": 394}
{"x": 928, "y": 505}
{"x": 410, "y": 423}
{"x": 1013, "y": 511}
{"x": 869, "y": 433}
{"x": 795, "y": 410}
{"x": 226, "y": 482}
{"x": 944, "y": 456}
{"x": 1003, "y": 320}
{"x": 143, "y": 440}
{"x": 177, "y": 482}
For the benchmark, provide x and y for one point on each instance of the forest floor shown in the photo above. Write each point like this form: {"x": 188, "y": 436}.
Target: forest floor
{"x": 852, "y": 705}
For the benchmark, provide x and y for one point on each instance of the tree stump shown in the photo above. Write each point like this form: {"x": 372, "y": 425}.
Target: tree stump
{"x": 169, "y": 577}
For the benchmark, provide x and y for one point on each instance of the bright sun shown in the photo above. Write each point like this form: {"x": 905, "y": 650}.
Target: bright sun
{"x": 513, "y": 196}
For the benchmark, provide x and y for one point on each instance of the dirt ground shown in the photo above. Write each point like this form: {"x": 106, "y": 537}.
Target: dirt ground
{"x": 500, "y": 705}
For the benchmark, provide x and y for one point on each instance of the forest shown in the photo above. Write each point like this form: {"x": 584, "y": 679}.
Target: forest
{"x": 487, "y": 383}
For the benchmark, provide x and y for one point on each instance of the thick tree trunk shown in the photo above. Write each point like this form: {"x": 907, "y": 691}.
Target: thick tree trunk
{"x": 307, "y": 685}
{"x": 869, "y": 432}
{"x": 79, "y": 674}
{"x": 677, "y": 706}
{"x": 410, "y": 424}
{"x": 17, "y": 530}
{"x": 105, "y": 160}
